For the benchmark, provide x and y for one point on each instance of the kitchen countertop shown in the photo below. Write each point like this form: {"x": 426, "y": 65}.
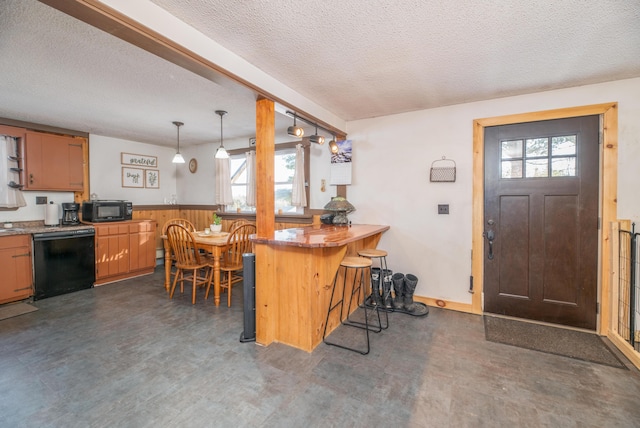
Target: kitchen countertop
{"x": 318, "y": 236}
{"x": 31, "y": 227}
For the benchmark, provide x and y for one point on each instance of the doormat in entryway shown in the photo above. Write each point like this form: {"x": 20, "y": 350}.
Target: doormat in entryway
{"x": 552, "y": 340}
{"x": 11, "y": 310}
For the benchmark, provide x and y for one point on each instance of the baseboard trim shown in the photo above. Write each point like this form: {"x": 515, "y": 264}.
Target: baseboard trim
{"x": 445, "y": 304}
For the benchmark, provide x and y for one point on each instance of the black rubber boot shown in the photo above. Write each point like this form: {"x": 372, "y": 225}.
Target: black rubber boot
{"x": 398, "y": 288}
{"x": 376, "y": 299}
{"x": 410, "y": 283}
{"x": 386, "y": 289}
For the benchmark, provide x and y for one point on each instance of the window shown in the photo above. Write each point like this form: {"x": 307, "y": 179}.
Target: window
{"x": 539, "y": 157}
{"x": 284, "y": 165}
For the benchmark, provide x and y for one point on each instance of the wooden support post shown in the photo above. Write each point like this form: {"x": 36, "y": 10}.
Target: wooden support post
{"x": 265, "y": 150}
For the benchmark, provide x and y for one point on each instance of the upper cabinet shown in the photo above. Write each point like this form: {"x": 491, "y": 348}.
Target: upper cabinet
{"x": 52, "y": 162}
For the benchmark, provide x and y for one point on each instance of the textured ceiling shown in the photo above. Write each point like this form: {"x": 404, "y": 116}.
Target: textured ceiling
{"x": 356, "y": 58}
{"x": 368, "y": 58}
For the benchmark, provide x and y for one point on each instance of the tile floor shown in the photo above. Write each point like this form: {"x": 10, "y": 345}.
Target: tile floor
{"x": 124, "y": 355}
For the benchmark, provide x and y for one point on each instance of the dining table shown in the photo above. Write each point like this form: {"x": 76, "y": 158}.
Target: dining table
{"x": 214, "y": 243}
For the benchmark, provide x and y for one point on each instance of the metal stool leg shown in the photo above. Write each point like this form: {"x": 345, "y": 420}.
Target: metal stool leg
{"x": 358, "y": 291}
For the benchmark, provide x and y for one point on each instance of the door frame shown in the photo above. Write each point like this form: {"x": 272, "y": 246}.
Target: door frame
{"x": 608, "y": 183}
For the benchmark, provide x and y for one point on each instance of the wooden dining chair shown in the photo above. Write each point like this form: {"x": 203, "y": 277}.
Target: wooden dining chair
{"x": 234, "y": 224}
{"x": 238, "y": 244}
{"x": 181, "y": 221}
{"x": 190, "y": 264}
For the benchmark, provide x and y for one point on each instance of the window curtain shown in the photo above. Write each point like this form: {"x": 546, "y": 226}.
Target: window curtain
{"x": 251, "y": 178}
{"x": 298, "y": 195}
{"x": 223, "y": 182}
{"x": 9, "y": 197}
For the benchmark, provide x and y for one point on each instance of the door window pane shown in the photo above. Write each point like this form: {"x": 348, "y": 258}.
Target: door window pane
{"x": 537, "y": 147}
{"x": 563, "y": 167}
{"x": 537, "y": 168}
{"x": 511, "y": 149}
{"x": 511, "y": 169}
{"x": 563, "y": 145}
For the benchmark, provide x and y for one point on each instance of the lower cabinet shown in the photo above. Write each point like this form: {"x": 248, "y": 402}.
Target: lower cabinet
{"x": 15, "y": 265}
{"x": 124, "y": 249}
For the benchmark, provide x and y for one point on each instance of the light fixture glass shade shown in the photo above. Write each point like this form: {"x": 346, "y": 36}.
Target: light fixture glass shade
{"x": 178, "y": 158}
{"x": 221, "y": 153}
{"x": 333, "y": 146}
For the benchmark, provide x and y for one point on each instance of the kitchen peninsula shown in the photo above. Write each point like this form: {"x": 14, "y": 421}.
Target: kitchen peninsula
{"x": 293, "y": 292}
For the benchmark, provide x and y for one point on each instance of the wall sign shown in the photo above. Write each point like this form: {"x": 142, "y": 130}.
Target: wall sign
{"x": 152, "y": 178}
{"x": 132, "y": 177}
{"x": 138, "y": 160}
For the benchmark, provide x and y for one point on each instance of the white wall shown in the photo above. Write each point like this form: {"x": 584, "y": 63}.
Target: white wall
{"x": 392, "y": 156}
{"x": 105, "y": 170}
{"x": 32, "y": 211}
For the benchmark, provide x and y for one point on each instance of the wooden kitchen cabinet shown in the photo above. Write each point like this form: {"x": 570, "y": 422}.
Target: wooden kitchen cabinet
{"x": 52, "y": 162}
{"x": 142, "y": 241}
{"x": 15, "y": 265}
{"x": 124, "y": 249}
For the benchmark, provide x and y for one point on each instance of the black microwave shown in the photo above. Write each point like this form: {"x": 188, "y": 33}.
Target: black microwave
{"x": 102, "y": 211}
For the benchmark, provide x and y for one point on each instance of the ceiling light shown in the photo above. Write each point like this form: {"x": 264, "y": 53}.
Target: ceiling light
{"x": 295, "y": 131}
{"x": 178, "y": 157}
{"x": 333, "y": 146}
{"x": 318, "y": 139}
{"x": 221, "y": 153}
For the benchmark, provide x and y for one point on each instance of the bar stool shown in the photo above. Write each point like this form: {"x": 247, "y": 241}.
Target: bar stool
{"x": 357, "y": 265}
{"x": 381, "y": 256}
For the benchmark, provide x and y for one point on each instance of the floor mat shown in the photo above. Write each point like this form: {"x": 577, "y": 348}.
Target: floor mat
{"x": 552, "y": 340}
{"x": 11, "y": 310}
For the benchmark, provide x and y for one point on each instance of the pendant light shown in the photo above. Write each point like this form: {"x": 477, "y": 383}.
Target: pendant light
{"x": 221, "y": 153}
{"x": 178, "y": 157}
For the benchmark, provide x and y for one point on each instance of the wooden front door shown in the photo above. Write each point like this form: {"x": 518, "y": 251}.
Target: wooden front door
{"x": 541, "y": 220}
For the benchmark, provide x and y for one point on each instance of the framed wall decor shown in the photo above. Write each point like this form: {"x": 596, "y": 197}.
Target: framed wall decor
{"x": 138, "y": 160}
{"x": 152, "y": 178}
{"x": 132, "y": 177}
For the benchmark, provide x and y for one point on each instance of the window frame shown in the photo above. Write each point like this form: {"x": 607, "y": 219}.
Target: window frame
{"x": 307, "y": 171}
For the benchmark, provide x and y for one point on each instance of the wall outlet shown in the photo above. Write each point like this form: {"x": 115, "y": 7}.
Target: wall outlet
{"x": 443, "y": 209}
{"x": 40, "y": 200}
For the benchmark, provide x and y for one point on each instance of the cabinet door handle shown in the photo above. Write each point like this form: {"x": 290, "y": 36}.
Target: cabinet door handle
{"x": 30, "y": 178}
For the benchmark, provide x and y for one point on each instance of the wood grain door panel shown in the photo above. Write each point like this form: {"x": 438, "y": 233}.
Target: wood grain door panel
{"x": 545, "y": 227}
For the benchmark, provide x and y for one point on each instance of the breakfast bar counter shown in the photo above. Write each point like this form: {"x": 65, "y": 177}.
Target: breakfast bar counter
{"x": 294, "y": 279}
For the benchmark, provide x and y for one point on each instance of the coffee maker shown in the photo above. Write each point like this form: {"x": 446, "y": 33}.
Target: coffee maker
{"x": 70, "y": 213}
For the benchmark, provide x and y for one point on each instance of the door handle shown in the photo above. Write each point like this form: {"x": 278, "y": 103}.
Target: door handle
{"x": 490, "y": 237}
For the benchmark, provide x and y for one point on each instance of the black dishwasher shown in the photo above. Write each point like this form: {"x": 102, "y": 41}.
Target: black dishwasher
{"x": 64, "y": 261}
